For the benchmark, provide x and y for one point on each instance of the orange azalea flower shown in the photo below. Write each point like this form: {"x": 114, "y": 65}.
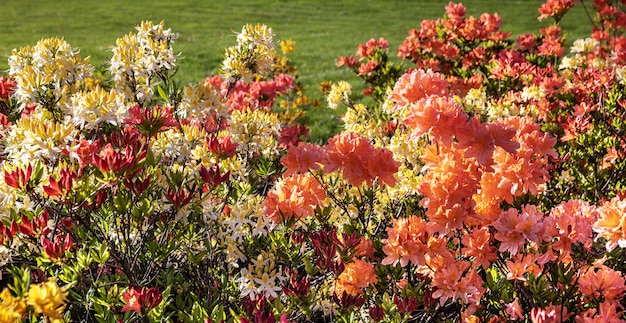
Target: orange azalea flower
{"x": 356, "y": 275}
{"x": 301, "y": 158}
{"x": 477, "y": 244}
{"x": 602, "y": 281}
{"x": 452, "y": 282}
{"x": 515, "y": 228}
{"x": 555, "y": 9}
{"x": 359, "y": 161}
{"x": 418, "y": 84}
{"x": 526, "y": 170}
{"x": 520, "y": 265}
{"x": 609, "y": 312}
{"x": 571, "y": 222}
{"x": 448, "y": 186}
{"x": 295, "y": 197}
{"x": 610, "y": 224}
{"x": 441, "y": 116}
{"x": 480, "y": 139}
{"x": 407, "y": 242}
{"x": 365, "y": 248}
{"x": 514, "y": 310}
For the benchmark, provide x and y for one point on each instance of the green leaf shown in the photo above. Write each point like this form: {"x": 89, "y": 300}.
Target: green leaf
{"x": 162, "y": 94}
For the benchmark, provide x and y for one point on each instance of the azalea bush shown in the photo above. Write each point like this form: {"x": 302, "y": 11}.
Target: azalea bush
{"x": 484, "y": 181}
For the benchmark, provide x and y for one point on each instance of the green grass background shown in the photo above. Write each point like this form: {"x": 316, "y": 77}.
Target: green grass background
{"x": 321, "y": 29}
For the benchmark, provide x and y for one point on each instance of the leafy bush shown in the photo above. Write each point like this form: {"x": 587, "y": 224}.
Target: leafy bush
{"x": 483, "y": 182}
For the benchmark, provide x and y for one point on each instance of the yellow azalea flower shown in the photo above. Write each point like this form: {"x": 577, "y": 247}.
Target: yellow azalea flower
{"x": 38, "y": 137}
{"x": 255, "y": 131}
{"x": 95, "y": 106}
{"x": 47, "y": 299}
{"x": 48, "y": 71}
{"x": 11, "y": 308}
{"x": 253, "y": 56}
{"x": 200, "y": 100}
{"x": 339, "y": 93}
{"x": 287, "y": 46}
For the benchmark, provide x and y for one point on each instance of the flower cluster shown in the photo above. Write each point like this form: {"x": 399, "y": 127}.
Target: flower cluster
{"x": 482, "y": 182}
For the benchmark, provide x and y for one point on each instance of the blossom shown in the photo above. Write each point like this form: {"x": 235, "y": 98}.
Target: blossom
{"x": 611, "y": 223}
{"x": 514, "y": 228}
{"x": 302, "y": 158}
{"x": 480, "y": 140}
{"x": 137, "y": 58}
{"x": 572, "y": 223}
{"x": 514, "y": 310}
{"x": 555, "y": 9}
{"x": 448, "y": 185}
{"x": 47, "y": 72}
{"x": 601, "y": 281}
{"x": 142, "y": 297}
{"x": 287, "y": 46}
{"x": 47, "y": 299}
{"x": 442, "y": 117}
{"x": 521, "y": 265}
{"x": 150, "y": 121}
{"x": 339, "y": 93}
{"x": 407, "y": 241}
{"x": 294, "y": 197}
{"x": 477, "y": 244}
{"x": 356, "y": 275}
{"x": 359, "y": 161}
{"x": 7, "y": 87}
{"x": 252, "y": 55}
{"x": 416, "y": 85}
{"x": 552, "y": 313}
{"x": 452, "y": 282}
{"x": 11, "y": 308}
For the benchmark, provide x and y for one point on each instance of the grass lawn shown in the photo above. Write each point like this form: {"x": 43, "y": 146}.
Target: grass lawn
{"x": 321, "y": 29}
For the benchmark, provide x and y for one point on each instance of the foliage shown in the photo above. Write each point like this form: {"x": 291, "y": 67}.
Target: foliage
{"x": 482, "y": 182}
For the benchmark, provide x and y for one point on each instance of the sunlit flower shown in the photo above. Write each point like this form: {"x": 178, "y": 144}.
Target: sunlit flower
{"x": 302, "y": 158}
{"x": 48, "y": 299}
{"x": 11, "y": 308}
{"x": 416, "y": 85}
{"x": 339, "y": 93}
{"x": 137, "y": 58}
{"x": 611, "y": 223}
{"x": 452, "y": 282}
{"x": 88, "y": 109}
{"x": 47, "y": 73}
{"x": 287, "y": 46}
{"x": 253, "y": 54}
{"x": 602, "y": 281}
{"x": 294, "y": 197}
{"x": 355, "y": 276}
{"x": 359, "y": 161}
{"x": 407, "y": 241}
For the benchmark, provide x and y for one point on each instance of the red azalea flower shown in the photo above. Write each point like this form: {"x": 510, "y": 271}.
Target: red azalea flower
{"x": 18, "y": 178}
{"x": 150, "y": 121}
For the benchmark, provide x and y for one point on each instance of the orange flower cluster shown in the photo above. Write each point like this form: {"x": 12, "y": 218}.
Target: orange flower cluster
{"x": 600, "y": 281}
{"x": 611, "y": 223}
{"x": 302, "y": 158}
{"x": 571, "y": 222}
{"x": 355, "y": 276}
{"x": 515, "y": 228}
{"x": 359, "y": 161}
{"x": 455, "y": 281}
{"x": 407, "y": 242}
{"x": 448, "y": 186}
{"x": 440, "y": 116}
{"x": 418, "y": 84}
{"x": 295, "y": 197}
{"x": 514, "y": 174}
